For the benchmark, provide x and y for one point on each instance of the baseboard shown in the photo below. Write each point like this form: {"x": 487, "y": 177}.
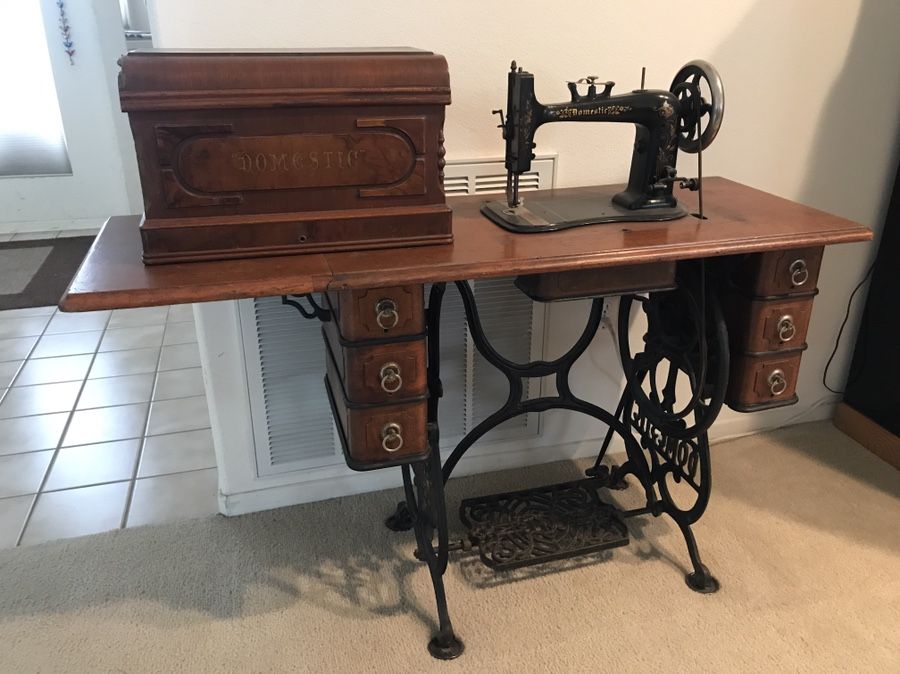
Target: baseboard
{"x": 877, "y": 439}
{"x": 336, "y": 481}
{"x": 310, "y": 487}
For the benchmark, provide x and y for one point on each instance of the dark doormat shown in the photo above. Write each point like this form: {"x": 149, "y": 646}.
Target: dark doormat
{"x": 37, "y": 273}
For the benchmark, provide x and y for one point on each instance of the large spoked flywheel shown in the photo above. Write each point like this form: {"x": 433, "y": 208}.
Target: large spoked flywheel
{"x": 701, "y": 99}
{"x": 678, "y": 380}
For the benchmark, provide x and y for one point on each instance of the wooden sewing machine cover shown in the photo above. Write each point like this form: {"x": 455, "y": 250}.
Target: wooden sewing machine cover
{"x": 253, "y": 153}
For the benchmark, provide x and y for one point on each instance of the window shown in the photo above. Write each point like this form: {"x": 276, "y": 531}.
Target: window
{"x": 32, "y": 141}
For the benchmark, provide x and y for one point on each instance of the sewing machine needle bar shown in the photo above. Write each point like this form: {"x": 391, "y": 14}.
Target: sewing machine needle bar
{"x": 512, "y": 189}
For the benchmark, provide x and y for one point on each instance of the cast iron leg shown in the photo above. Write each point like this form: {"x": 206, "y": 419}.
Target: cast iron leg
{"x": 425, "y": 499}
{"x": 686, "y": 339}
{"x": 700, "y": 580}
{"x": 613, "y": 478}
{"x": 402, "y": 519}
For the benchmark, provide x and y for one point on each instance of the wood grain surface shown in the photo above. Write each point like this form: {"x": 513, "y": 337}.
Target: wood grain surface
{"x": 740, "y": 219}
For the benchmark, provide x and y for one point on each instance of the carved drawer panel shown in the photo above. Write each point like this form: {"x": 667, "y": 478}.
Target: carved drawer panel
{"x": 379, "y": 313}
{"x": 377, "y": 436}
{"x": 763, "y": 381}
{"x": 378, "y": 372}
{"x": 758, "y": 326}
{"x": 793, "y": 271}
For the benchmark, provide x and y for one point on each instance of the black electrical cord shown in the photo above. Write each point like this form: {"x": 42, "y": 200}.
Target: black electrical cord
{"x": 837, "y": 341}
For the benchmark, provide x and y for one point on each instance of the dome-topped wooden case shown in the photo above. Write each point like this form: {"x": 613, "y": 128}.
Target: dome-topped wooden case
{"x": 251, "y": 153}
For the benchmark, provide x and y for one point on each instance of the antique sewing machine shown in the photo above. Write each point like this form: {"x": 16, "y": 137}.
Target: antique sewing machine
{"x": 260, "y": 154}
{"x": 665, "y": 121}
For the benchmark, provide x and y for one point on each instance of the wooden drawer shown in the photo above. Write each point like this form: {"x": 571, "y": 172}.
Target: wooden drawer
{"x": 606, "y": 281}
{"x": 763, "y": 381}
{"x": 377, "y": 436}
{"x": 757, "y": 326}
{"x": 378, "y": 372}
{"x": 780, "y": 272}
{"x": 378, "y": 313}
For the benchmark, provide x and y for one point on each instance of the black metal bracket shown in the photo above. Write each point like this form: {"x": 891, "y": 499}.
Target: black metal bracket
{"x": 313, "y": 313}
{"x": 662, "y": 444}
{"x": 516, "y": 373}
{"x": 426, "y": 505}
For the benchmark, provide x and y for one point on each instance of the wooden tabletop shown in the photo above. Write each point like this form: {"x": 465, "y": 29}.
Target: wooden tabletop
{"x": 740, "y": 219}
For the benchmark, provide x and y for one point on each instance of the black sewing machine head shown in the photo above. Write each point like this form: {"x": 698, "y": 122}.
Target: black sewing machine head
{"x": 665, "y": 121}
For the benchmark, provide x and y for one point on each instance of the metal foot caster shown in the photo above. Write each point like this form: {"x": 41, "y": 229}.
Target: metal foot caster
{"x": 611, "y": 477}
{"x": 444, "y": 648}
{"x": 702, "y": 581}
{"x": 401, "y": 519}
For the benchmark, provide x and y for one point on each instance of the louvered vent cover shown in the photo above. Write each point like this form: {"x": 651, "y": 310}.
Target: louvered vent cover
{"x": 285, "y": 353}
{"x": 483, "y": 177}
{"x": 292, "y": 418}
{"x": 473, "y": 388}
{"x": 453, "y": 413}
{"x": 507, "y": 316}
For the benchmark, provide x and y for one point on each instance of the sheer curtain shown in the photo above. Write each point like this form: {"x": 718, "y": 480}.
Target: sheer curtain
{"x": 32, "y": 141}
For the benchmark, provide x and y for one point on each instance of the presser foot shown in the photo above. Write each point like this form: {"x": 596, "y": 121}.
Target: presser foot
{"x": 700, "y": 579}
{"x": 401, "y": 519}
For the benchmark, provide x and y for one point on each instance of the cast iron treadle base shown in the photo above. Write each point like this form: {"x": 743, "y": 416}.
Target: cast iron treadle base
{"x": 543, "y": 524}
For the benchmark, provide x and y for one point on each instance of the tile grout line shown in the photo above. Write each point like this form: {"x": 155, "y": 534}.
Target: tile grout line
{"x": 28, "y": 358}
{"x": 59, "y": 442}
{"x": 3, "y": 394}
{"x": 140, "y": 453}
{"x": 106, "y": 482}
{"x": 99, "y": 407}
{"x": 12, "y": 382}
{"x": 71, "y": 413}
{"x": 106, "y": 442}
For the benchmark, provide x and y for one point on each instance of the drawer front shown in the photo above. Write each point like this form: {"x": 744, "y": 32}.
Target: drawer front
{"x": 378, "y": 436}
{"x": 379, "y": 313}
{"x": 758, "y": 326}
{"x": 782, "y": 272}
{"x": 378, "y": 373}
{"x": 763, "y": 381}
{"x": 606, "y": 281}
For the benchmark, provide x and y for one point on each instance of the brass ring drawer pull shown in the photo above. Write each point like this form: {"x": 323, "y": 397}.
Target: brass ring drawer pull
{"x": 391, "y": 381}
{"x": 799, "y": 272}
{"x": 777, "y": 382}
{"x": 391, "y": 438}
{"x": 386, "y": 314}
{"x": 786, "y": 328}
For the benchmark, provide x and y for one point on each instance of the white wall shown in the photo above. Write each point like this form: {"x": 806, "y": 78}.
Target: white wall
{"x": 104, "y": 178}
{"x": 812, "y": 95}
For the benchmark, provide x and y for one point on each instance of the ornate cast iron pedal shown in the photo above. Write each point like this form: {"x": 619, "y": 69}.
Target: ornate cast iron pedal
{"x": 543, "y": 524}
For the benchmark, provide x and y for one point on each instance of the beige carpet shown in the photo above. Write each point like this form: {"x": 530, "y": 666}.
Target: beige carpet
{"x": 803, "y": 532}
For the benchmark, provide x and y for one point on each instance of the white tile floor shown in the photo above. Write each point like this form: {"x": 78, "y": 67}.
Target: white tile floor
{"x": 103, "y": 422}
